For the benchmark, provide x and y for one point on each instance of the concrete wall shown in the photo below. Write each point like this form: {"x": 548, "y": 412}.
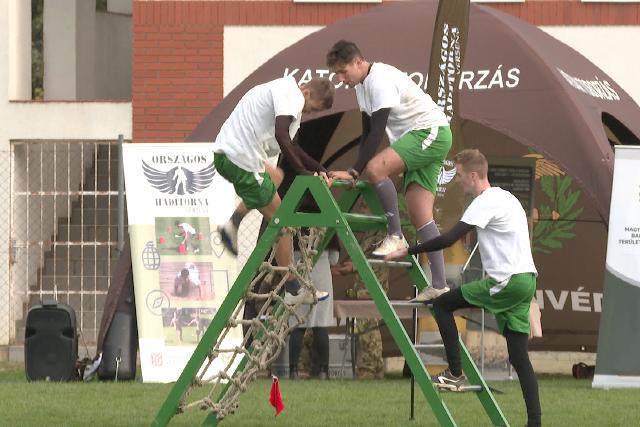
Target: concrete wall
{"x": 19, "y": 22}
{"x": 113, "y": 46}
{"x": 87, "y": 54}
{"x": 119, "y": 6}
{"x": 85, "y": 42}
{"x": 241, "y": 57}
{"x": 60, "y": 51}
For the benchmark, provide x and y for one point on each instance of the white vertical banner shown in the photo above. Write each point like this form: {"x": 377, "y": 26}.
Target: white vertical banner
{"x": 182, "y": 272}
{"x": 623, "y": 245}
{"x": 619, "y": 336}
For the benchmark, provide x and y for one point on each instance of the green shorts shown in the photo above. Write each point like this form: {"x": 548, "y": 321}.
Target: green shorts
{"x": 423, "y": 152}
{"x": 256, "y": 189}
{"x": 510, "y": 305}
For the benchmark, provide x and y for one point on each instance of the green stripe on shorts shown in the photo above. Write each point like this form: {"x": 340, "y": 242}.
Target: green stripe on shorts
{"x": 510, "y": 305}
{"x": 423, "y": 152}
{"x": 254, "y": 194}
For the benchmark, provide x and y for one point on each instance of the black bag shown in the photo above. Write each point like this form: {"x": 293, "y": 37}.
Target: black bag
{"x": 582, "y": 371}
{"x": 120, "y": 346}
{"x": 51, "y": 342}
{"x": 120, "y": 349}
{"x": 118, "y": 337}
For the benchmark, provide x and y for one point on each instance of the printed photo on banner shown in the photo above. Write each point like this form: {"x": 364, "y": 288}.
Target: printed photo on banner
{"x": 185, "y": 326}
{"x": 186, "y": 281}
{"x": 183, "y": 235}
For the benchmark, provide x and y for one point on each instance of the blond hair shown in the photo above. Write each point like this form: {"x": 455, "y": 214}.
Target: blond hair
{"x": 472, "y": 160}
{"x": 321, "y": 89}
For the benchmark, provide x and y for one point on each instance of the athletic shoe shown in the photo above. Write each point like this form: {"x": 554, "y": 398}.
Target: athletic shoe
{"x": 229, "y": 237}
{"x": 429, "y": 294}
{"x": 447, "y": 381}
{"x": 304, "y": 297}
{"x": 390, "y": 244}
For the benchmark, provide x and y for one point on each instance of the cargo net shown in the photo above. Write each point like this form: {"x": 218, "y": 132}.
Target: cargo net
{"x": 265, "y": 334}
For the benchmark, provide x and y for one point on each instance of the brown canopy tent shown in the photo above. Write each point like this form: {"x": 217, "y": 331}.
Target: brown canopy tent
{"x": 522, "y": 93}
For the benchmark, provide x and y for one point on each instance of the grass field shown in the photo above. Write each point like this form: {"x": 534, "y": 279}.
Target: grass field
{"x": 565, "y": 402}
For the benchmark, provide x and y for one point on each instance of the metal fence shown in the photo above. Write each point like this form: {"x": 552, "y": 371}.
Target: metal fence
{"x": 63, "y": 209}
{"x": 60, "y": 211}
{"x": 5, "y": 258}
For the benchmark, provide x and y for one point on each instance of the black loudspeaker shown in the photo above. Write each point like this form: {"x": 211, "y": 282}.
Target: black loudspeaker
{"x": 51, "y": 343}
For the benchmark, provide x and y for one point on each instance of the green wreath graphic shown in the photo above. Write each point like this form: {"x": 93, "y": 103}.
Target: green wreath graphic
{"x": 556, "y": 220}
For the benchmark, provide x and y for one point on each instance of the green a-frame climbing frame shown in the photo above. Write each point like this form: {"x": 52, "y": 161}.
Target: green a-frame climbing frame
{"x": 335, "y": 216}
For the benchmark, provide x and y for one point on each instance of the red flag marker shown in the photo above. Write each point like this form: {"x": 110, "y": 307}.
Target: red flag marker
{"x": 275, "y": 398}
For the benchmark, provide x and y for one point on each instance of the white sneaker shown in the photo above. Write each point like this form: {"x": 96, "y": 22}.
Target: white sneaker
{"x": 229, "y": 237}
{"x": 304, "y": 297}
{"x": 430, "y": 293}
{"x": 445, "y": 380}
{"x": 390, "y": 244}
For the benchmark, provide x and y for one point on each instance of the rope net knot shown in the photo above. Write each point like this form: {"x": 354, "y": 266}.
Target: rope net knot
{"x": 265, "y": 335}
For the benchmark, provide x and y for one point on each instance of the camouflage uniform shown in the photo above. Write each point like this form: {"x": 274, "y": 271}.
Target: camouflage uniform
{"x": 367, "y": 330}
{"x": 304, "y": 363}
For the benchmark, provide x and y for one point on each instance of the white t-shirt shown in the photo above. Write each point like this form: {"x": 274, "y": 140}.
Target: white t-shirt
{"x": 247, "y": 137}
{"x": 411, "y": 108}
{"x": 503, "y": 234}
{"x": 187, "y": 228}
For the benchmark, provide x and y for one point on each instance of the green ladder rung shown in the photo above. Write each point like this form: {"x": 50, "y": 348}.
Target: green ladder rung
{"x": 348, "y": 185}
{"x": 361, "y": 222}
{"x": 401, "y": 264}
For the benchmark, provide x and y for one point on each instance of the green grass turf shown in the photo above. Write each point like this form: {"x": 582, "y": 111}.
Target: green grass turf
{"x": 565, "y": 402}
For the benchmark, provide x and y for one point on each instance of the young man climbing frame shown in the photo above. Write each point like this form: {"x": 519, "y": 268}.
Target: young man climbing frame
{"x": 261, "y": 126}
{"x": 503, "y": 238}
{"x": 420, "y": 139}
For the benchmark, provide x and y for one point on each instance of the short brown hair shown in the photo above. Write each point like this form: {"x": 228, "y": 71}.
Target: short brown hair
{"x": 321, "y": 90}
{"x": 342, "y": 53}
{"x": 473, "y": 161}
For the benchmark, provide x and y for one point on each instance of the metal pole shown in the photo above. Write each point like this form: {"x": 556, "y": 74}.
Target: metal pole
{"x": 484, "y": 276}
{"x": 120, "y": 245}
{"x": 414, "y": 321}
{"x": 354, "y": 349}
{"x": 464, "y": 268}
{"x": 466, "y": 264}
{"x": 482, "y": 343}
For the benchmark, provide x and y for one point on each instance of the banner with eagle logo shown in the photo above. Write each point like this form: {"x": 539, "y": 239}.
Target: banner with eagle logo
{"x": 182, "y": 272}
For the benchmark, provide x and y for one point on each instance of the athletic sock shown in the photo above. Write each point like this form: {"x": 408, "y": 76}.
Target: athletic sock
{"x": 436, "y": 259}
{"x": 388, "y": 196}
